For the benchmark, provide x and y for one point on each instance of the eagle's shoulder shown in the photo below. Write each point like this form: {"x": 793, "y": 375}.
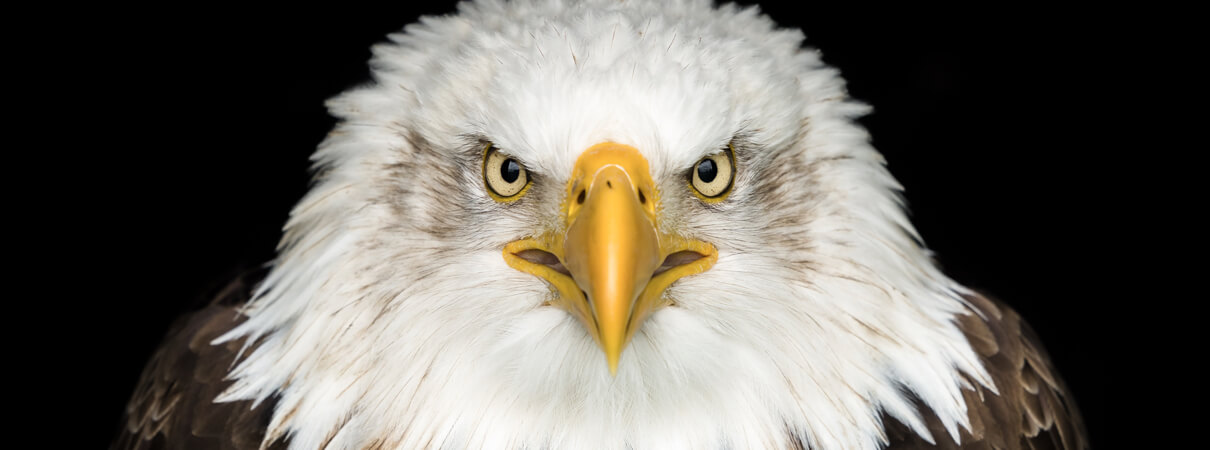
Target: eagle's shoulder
{"x": 173, "y": 403}
{"x": 1031, "y": 410}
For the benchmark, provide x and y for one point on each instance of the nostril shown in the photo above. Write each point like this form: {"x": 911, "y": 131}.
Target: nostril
{"x": 609, "y": 184}
{"x": 580, "y": 198}
{"x": 642, "y": 198}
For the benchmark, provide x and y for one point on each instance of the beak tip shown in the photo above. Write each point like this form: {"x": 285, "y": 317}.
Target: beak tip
{"x": 613, "y": 353}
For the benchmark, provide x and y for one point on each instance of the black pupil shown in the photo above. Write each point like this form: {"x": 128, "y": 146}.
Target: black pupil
{"x": 510, "y": 171}
{"x": 706, "y": 170}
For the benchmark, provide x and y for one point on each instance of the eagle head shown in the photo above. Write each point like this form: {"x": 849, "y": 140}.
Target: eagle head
{"x": 601, "y": 224}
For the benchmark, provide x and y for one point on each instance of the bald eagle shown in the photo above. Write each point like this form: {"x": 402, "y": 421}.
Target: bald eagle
{"x": 600, "y": 224}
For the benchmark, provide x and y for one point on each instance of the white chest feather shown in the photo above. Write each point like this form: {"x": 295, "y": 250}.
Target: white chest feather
{"x": 480, "y": 370}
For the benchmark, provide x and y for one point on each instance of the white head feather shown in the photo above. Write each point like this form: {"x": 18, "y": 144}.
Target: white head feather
{"x": 390, "y": 316}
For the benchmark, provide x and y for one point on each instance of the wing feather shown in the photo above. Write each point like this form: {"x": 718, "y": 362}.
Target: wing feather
{"x": 1030, "y": 408}
{"x": 173, "y": 404}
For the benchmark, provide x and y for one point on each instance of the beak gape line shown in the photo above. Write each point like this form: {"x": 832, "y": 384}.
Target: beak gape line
{"x": 610, "y": 263}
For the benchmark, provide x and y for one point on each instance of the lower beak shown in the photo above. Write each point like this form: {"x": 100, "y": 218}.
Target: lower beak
{"x": 613, "y": 264}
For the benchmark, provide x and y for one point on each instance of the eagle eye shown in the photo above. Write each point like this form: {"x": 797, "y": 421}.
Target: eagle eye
{"x": 505, "y": 177}
{"x": 711, "y": 178}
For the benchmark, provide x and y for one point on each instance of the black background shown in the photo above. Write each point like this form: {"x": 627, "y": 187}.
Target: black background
{"x": 194, "y": 127}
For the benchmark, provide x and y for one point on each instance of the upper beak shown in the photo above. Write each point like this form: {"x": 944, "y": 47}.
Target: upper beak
{"x": 613, "y": 262}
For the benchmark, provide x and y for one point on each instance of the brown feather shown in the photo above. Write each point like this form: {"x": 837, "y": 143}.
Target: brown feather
{"x": 1031, "y": 408}
{"x": 173, "y": 404}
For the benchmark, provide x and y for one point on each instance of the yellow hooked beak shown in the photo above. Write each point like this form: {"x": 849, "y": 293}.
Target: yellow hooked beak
{"x": 610, "y": 263}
